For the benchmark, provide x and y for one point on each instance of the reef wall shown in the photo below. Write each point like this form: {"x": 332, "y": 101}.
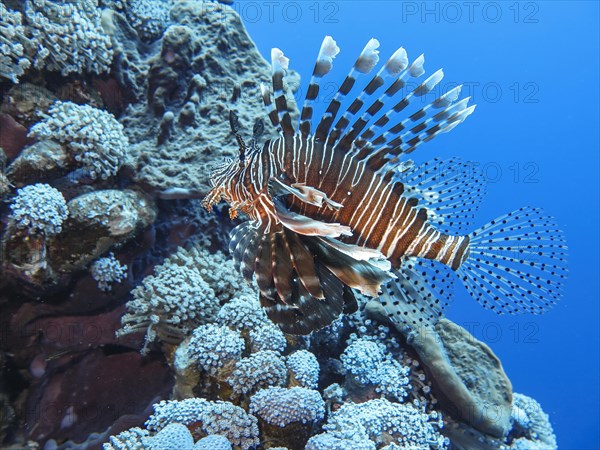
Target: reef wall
{"x": 124, "y": 323}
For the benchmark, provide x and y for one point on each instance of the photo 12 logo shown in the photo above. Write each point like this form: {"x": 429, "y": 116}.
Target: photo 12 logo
{"x": 288, "y": 12}
{"x": 469, "y": 12}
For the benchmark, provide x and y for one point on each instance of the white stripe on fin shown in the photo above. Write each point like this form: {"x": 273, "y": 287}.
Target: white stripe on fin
{"x": 369, "y": 57}
{"x": 329, "y": 50}
{"x": 279, "y": 60}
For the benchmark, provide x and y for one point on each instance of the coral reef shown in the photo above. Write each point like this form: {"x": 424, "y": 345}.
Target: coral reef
{"x": 111, "y": 116}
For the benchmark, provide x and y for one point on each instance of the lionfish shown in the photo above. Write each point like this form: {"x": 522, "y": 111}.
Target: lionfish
{"x": 339, "y": 206}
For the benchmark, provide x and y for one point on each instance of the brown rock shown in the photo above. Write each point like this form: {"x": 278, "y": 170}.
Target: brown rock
{"x": 13, "y": 136}
{"x": 97, "y": 221}
{"x": 94, "y": 393}
{"x": 468, "y": 377}
{"x": 42, "y": 161}
{"x": 26, "y": 102}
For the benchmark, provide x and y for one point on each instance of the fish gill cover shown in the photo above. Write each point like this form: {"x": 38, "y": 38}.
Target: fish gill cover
{"x": 308, "y": 309}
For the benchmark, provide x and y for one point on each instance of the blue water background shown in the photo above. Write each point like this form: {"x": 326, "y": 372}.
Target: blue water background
{"x": 532, "y": 68}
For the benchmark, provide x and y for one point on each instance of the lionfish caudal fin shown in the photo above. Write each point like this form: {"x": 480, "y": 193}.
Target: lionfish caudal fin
{"x": 362, "y": 130}
{"x": 515, "y": 264}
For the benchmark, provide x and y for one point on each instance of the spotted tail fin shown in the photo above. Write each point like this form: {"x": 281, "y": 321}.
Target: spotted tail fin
{"x": 516, "y": 263}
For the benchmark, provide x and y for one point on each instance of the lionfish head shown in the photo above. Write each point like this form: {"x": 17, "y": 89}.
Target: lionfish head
{"x": 222, "y": 181}
{"x": 224, "y": 176}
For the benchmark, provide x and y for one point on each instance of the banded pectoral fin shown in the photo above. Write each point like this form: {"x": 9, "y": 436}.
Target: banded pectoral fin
{"x": 304, "y": 276}
{"x": 308, "y": 226}
{"x": 302, "y": 192}
{"x": 358, "y": 267}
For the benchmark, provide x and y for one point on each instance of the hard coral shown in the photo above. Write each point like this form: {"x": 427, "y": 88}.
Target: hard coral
{"x": 127, "y": 440}
{"x": 281, "y": 406}
{"x": 386, "y": 422}
{"x": 170, "y": 303}
{"x": 39, "y": 208}
{"x": 68, "y": 36}
{"x": 242, "y": 313}
{"x": 13, "y": 41}
{"x": 531, "y": 425}
{"x": 259, "y": 370}
{"x": 267, "y": 337}
{"x": 107, "y": 271}
{"x": 94, "y": 136}
{"x": 304, "y": 368}
{"x": 149, "y": 17}
{"x": 174, "y": 436}
{"x": 222, "y": 418}
{"x": 369, "y": 363}
{"x": 214, "y": 347}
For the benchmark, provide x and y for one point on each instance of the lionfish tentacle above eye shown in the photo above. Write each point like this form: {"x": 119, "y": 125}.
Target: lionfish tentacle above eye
{"x": 342, "y": 208}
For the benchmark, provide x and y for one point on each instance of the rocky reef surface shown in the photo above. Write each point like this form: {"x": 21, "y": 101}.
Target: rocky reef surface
{"x": 124, "y": 323}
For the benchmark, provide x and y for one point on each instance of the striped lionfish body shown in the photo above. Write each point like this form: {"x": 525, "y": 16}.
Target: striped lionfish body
{"x": 338, "y": 206}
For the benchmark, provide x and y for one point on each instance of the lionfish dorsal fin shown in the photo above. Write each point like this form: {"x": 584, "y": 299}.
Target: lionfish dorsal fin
{"x": 279, "y": 64}
{"x": 329, "y": 50}
{"x": 394, "y": 66}
{"x": 366, "y": 61}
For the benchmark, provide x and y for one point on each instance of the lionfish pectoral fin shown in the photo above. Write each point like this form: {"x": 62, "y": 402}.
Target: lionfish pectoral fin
{"x": 298, "y": 292}
{"x": 315, "y": 197}
{"x": 350, "y": 264}
{"x": 419, "y": 295}
{"x": 304, "y": 225}
{"x": 304, "y": 193}
{"x": 451, "y": 190}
